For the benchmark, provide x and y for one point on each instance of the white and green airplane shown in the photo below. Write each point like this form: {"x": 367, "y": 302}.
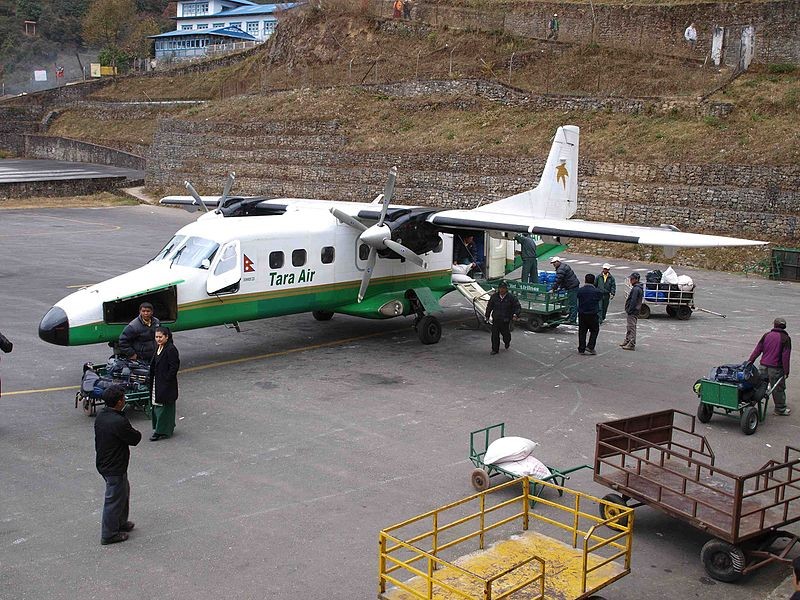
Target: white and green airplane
{"x": 253, "y": 258}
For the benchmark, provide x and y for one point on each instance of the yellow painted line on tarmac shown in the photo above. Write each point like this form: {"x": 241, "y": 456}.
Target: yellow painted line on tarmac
{"x": 236, "y": 361}
{"x": 40, "y": 391}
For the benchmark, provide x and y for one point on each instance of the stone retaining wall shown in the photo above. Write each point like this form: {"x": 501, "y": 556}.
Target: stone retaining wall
{"x": 300, "y": 160}
{"x": 58, "y": 148}
{"x": 777, "y": 24}
{"x": 62, "y": 187}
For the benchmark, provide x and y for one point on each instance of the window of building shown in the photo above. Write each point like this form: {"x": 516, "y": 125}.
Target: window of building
{"x": 252, "y": 28}
{"x": 202, "y": 25}
{"x": 235, "y": 24}
{"x": 298, "y": 258}
{"x": 275, "y": 259}
{"x": 194, "y": 9}
{"x": 328, "y": 254}
{"x": 187, "y": 27}
{"x": 269, "y": 28}
{"x": 218, "y": 25}
{"x": 363, "y": 252}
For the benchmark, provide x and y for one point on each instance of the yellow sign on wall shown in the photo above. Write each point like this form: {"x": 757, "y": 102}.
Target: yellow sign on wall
{"x": 108, "y": 71}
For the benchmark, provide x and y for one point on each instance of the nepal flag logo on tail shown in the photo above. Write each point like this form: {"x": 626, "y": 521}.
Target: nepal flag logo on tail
{"x": 249, "y": 265}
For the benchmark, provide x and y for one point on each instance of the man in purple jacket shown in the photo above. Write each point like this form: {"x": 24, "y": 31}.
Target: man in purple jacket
{"x": 775, "y": 346}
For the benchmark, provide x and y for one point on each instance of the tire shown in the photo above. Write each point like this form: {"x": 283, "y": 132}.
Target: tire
{"x": 607, "y": 512}
{"x": 704, "y": 412}
{"x": 480, "y": 480}
{"x": 683, "y": 312}
{"x": 672, "y": 311}
{"x": 749, "y": 420}
{"x": 322, "y": 315}
{"x": 536, "y": 323}
{"x": 88, "y": 406}
{"x": 722, "y": 561}
{"x": 429, "y": 330}
{"x": 644, "y": 312}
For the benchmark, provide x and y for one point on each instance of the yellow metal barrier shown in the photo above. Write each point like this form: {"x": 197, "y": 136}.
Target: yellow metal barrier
{"x": 428, "y": 556}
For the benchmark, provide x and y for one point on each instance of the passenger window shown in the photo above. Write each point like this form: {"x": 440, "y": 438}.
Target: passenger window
{"x": 275, "y": 259}
{"x": 298, "y": 258}
{"x": 227, "y": 262}
{"x": 363, "y": 252}
{"x": 328, "y": 254}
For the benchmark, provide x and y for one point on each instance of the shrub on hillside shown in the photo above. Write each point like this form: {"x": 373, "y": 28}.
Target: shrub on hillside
{"x": 782, "y": 68}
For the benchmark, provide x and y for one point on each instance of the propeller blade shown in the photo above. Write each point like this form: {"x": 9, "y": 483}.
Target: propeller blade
{"x": 387, "y": 193}
{"x": 195, "y": 195}
{"x": 373, "y": 256}
{"x": 228, "y": 185}
{"x": 406, "y": 253}
{"x": 347, "y": 219}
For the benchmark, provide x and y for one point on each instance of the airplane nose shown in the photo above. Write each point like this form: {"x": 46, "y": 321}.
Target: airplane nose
{"x": 54, "y": 327}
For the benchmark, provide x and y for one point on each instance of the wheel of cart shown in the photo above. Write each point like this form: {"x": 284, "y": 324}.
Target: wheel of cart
{"x": 659, "y": 460}
{"x": 734, "y": 400}
{"x": 541, "y": 309}
{"x": 482, "y": 474}
{"x": 493, "y": 545}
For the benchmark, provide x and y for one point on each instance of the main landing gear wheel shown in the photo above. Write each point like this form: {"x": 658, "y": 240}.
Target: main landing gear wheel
{"x": 704, "y": 412}
{"x": 749, "y": 421}
{"x": 480, "y": 480}
{"x": 322, "y": 315}
{"x": 644, "y": 312}
{"x": 429, "y": 330}
{"x": 609, "y": 512}
{"x": 722, "y": 561}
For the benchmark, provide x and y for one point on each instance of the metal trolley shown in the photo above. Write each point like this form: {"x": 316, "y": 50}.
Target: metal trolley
{"x": 679, "y": 304}
{"x": 479, "y": 441}
{"x": 657, "y": 459}
{"x": 137, "y": 393}
{"x": 491, "y": 545}
{"x": 541, "y": 310}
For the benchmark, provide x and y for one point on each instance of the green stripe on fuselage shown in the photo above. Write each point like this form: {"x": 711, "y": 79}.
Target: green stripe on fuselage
{"x": 260, "y": 305}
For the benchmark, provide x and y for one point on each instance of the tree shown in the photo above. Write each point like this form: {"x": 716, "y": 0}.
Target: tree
{"x": 108, "y": 22}
{"x": 30, "y": 10}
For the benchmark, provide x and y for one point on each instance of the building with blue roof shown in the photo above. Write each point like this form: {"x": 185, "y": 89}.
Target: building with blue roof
{"x": 205, "y": 26}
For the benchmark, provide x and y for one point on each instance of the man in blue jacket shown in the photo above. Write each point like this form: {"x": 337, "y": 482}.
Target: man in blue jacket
{"x": 113, "y": 436}
{"x": 589, "y": 298}
{"x": 775, "y": 348}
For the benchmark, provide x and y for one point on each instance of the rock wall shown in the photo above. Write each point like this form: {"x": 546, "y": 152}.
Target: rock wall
{"x": 301, "y": 160}
{"x": 777, "y": 24}
{"x": 62, "y": 187}
{"x": 59, "y": 148}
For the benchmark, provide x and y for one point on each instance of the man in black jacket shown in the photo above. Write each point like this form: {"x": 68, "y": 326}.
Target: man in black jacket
{"x": 589, "y": 298}
{"x": 137, "y": 341}
{"x": 633, "y": 305}
{"x": 567, "y": 280}
{"x": 502, "y": 307}
{"x": 113, "y": 436}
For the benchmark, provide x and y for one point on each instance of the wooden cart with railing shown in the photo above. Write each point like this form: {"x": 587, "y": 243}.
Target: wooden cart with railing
{"x": 658, "y": 459}
{"x": 492, "y": 545}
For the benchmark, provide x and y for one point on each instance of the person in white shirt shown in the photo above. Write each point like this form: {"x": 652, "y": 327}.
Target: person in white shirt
{"x": 691, "y": 36}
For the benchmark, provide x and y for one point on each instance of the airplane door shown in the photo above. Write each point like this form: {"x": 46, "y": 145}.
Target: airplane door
{"x": 225, "y": 273}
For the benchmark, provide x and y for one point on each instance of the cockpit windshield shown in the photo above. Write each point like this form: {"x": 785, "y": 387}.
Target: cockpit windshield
{"x": 188, "y": 251}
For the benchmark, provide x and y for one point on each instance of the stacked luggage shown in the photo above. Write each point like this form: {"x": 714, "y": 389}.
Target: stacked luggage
{"x": 133, "y": 375}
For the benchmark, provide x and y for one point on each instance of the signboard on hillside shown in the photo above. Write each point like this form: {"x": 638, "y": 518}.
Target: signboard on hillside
{"x": 40, "y": 75}
{"x": 94, "y": 69}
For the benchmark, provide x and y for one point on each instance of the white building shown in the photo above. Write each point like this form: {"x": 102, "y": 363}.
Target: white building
{"x": 200, "y": 25}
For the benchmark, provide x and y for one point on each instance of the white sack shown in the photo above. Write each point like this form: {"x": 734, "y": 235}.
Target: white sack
{"x": 508, "y": 449}
{"x": 669, "y": 276}
{"x": 685, "y": 283}
{"x": 459, "y": 274}
{"x": 530, "y": 465}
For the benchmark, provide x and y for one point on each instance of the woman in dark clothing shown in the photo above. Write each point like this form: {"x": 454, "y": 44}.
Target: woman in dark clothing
{"x": 164, "y": 376}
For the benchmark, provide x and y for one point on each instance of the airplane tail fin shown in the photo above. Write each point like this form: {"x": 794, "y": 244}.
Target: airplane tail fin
{"x": 556, "y": 195}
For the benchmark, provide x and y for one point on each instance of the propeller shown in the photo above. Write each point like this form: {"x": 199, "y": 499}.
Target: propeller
{"x": 379, "y": 236}
{"x": 225, "y": 191}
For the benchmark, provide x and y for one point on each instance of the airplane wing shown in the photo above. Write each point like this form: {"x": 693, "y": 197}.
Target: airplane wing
{"x": 573, "y": 228}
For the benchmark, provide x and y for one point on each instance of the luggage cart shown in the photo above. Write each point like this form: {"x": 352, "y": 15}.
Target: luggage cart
{"x": 137, "y": 393}
{"x": 657, "y": 459}
{"x": 541, "y": 309}
{"x": 479, "y": 441}
{"x": 748, "y": 403}
{"x": 679, "y": 304}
